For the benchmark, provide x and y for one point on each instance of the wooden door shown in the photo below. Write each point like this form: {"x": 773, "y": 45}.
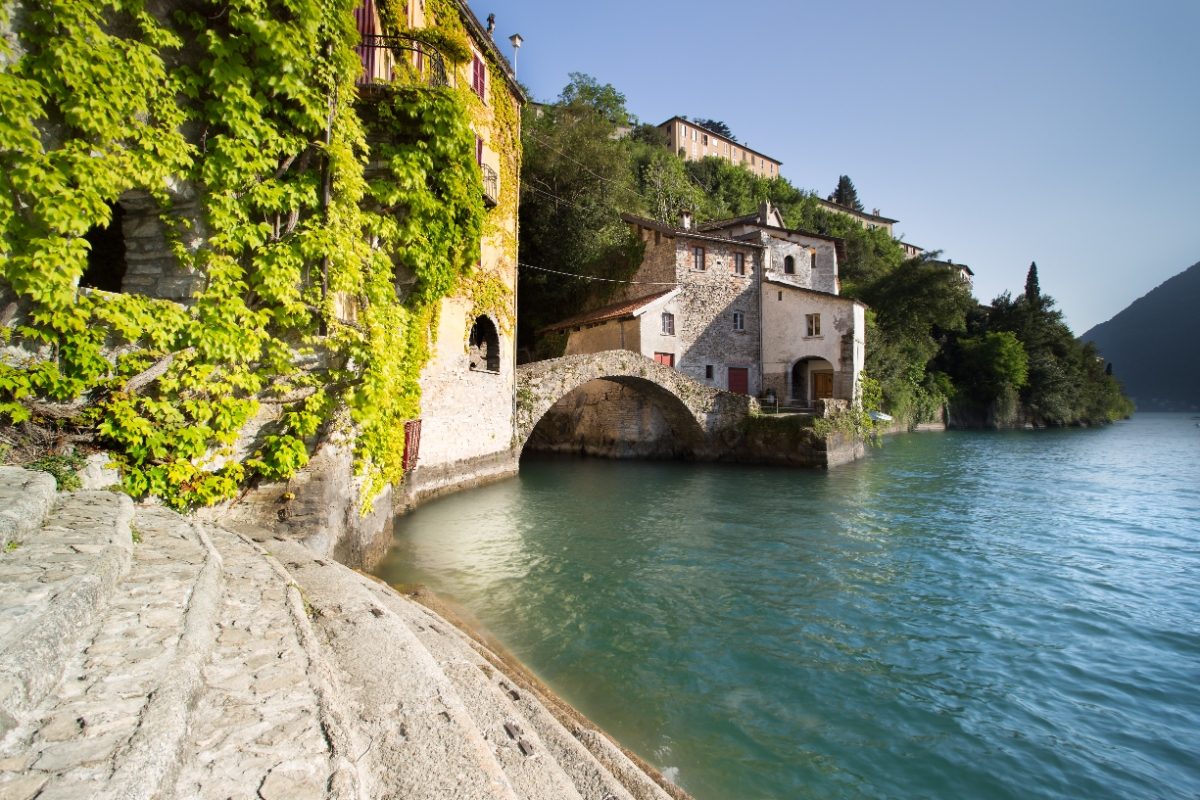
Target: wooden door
{"x": 739, "y": 380}
{"x": 822, "y": 385}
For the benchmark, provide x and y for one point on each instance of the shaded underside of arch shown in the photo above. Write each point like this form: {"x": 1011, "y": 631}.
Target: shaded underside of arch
{"x": 618, "y": 416}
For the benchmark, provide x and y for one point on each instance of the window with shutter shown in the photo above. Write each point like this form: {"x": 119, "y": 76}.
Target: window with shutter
{"x": 478, "y": 77}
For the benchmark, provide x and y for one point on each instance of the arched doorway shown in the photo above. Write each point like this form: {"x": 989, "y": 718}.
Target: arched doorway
{"x": 811, "y": 380}
{"x": 484, "y": 346}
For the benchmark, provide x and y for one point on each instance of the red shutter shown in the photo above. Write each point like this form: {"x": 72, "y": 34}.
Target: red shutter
{"x": 478, "y": 76}
{"x": 412, "y": 443}
{"x": 479, "y": 151}
{"x": 666, "y": 359}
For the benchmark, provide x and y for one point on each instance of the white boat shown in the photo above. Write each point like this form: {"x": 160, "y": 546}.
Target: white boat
{"x": 879, "y": 416}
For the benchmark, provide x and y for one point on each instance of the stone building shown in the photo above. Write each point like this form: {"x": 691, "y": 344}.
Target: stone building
{"x": 693, "y": 142}
{"x": 869, "y": 221}
{"x": 468, "y": 385}
{"x": 745, "y": 305}
{"x": 813, "y": 340}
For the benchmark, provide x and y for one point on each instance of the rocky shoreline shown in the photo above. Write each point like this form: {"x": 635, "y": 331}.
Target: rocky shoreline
{"x": 146, "y": 654}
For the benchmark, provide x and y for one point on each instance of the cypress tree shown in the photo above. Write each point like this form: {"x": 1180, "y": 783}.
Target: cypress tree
{"x": 1033, "y": 292}
{"x": 845, "y": 194}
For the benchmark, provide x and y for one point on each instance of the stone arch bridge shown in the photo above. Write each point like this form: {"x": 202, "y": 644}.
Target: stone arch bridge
{"x": 705, "y": 413}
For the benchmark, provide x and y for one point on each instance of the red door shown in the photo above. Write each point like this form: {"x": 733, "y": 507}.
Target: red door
{"x": 667, "y": 359}
{"x": 739, "y": 380}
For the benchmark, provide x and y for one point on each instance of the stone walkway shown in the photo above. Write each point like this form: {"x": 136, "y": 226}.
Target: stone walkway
{"x": 143, "y": 655}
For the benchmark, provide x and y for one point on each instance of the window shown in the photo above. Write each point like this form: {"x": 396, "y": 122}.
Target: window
{"x": 739, "y": 263}
{"x": 704, "y": 140}
{"x": 708, "y": 372}
{"x": 479, "y": 151}
{"x": 478, "y": 76}
{"x": 739, "y": 321}
{"x": 668, "y": 323}
{"x": 698, "y": 258}
{"x": 666, "y": 359}
{"x": 813, "y": 321}
{"x": 789, "y": 265}
{"x": 781, "y": 296}
{"x": 813, "y": 259}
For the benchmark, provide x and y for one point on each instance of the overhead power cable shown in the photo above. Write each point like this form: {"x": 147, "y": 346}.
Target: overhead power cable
{"x": 592, "y": 277}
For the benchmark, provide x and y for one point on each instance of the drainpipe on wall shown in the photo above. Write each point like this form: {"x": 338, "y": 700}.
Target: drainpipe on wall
{"x": 761, "y": 322}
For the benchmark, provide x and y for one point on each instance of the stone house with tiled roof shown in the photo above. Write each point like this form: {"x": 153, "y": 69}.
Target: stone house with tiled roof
{"x": 745, "y": 305}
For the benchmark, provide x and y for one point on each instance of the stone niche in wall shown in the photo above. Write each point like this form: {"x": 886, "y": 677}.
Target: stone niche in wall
{"x": 133, "y": 254}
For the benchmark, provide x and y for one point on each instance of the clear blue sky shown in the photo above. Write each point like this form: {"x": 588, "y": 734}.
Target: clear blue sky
{"x": 1066, "y": 133}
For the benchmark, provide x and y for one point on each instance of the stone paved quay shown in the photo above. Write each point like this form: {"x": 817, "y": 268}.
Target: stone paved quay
{"x": 146, "y": 655}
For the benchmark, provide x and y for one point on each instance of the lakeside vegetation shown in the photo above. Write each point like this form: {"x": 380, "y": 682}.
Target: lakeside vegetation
{"x": 930, "y": 344}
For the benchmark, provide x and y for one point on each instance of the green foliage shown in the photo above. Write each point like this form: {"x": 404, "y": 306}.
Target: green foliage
{"x": 1065, "y": 380}
{"x": 293, "y": 223}
{"x": 64, "y": 468}
{"x": 716, "y": 126}
{"x": 991, "y": 362}
{"x": 575, "y": 183}
{"x": 845, "y": 194}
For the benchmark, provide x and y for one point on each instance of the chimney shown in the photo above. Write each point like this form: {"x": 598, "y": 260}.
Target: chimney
{"x": 764, "y": 212}
{"x": 686, "y": 220}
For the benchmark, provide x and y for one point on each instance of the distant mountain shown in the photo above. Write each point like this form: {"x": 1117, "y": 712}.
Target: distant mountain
{"x": 1154, "y": 345}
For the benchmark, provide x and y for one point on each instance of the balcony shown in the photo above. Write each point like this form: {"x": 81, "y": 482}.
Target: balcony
{"x": 491, "y": 186}
{"x": 400, "y": 61}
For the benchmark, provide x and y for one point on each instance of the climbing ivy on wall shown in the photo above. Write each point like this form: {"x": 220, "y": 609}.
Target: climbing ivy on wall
{"x": 244, "y": 109}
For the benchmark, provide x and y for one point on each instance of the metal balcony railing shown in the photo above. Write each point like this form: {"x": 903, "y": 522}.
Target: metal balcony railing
{"x": 389, "y": 60}
{"x": 491, "y": 185}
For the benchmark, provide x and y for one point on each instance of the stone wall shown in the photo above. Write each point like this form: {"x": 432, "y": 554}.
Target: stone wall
{"x": 465, "y": 413}
{"x": 151, "y": 268}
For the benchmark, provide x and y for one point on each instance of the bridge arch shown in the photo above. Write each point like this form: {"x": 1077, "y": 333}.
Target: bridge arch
{"x": 698, "y": 408}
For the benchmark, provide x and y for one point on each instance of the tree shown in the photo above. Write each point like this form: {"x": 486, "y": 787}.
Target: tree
{"x": 584, "y": 91}
{"x": 716, "y": 126}
{"x": 575, "y": 182}
{"x": 845, "y": 194}
{"x": 1033, "y": 291}
{"x": 991, "y": 363}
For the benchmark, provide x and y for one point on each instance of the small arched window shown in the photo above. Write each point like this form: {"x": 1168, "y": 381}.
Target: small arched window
{"x": 789, "y": 265}
{"x": 484, "y": 349}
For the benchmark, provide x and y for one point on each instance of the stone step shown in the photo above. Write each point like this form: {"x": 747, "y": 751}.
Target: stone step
{"x": 112, "y": 726}
{"x": 531, "y": 760}
{"x": 269, "y": 722}
{"x": 597, "y": 768}
{"x": 25, "y": 499}
{"x": 417, "y": 740}
{"x": 53, "y": 586}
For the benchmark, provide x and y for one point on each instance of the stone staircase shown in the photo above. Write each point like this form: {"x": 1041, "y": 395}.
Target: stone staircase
{"x": 145, "y": 655}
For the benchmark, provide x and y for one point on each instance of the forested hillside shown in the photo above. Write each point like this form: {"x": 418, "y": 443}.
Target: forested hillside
{"x": 1151, "y": 345}
{"x": 928, "y": 342}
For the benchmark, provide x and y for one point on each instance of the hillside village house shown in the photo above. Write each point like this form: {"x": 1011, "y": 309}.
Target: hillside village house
{"x": 469, "y": 381}
{"x": 694, "y": 142}
{"x": 745, "y": 305}
{"x": 869, "y": 221}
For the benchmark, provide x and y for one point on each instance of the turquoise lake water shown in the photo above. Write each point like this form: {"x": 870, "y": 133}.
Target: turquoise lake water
{"x": 959, "y": 615}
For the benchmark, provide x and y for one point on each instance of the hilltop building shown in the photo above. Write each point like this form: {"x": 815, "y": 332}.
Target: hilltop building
{"x": 869, "y": 221}
{"x": 745, "y": 305}
{"x": 963, "y": 271}
{"x": 694, "y": 142}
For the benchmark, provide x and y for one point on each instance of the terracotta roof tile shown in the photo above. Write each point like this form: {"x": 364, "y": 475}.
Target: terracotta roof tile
{"x": 625, "y": 308}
